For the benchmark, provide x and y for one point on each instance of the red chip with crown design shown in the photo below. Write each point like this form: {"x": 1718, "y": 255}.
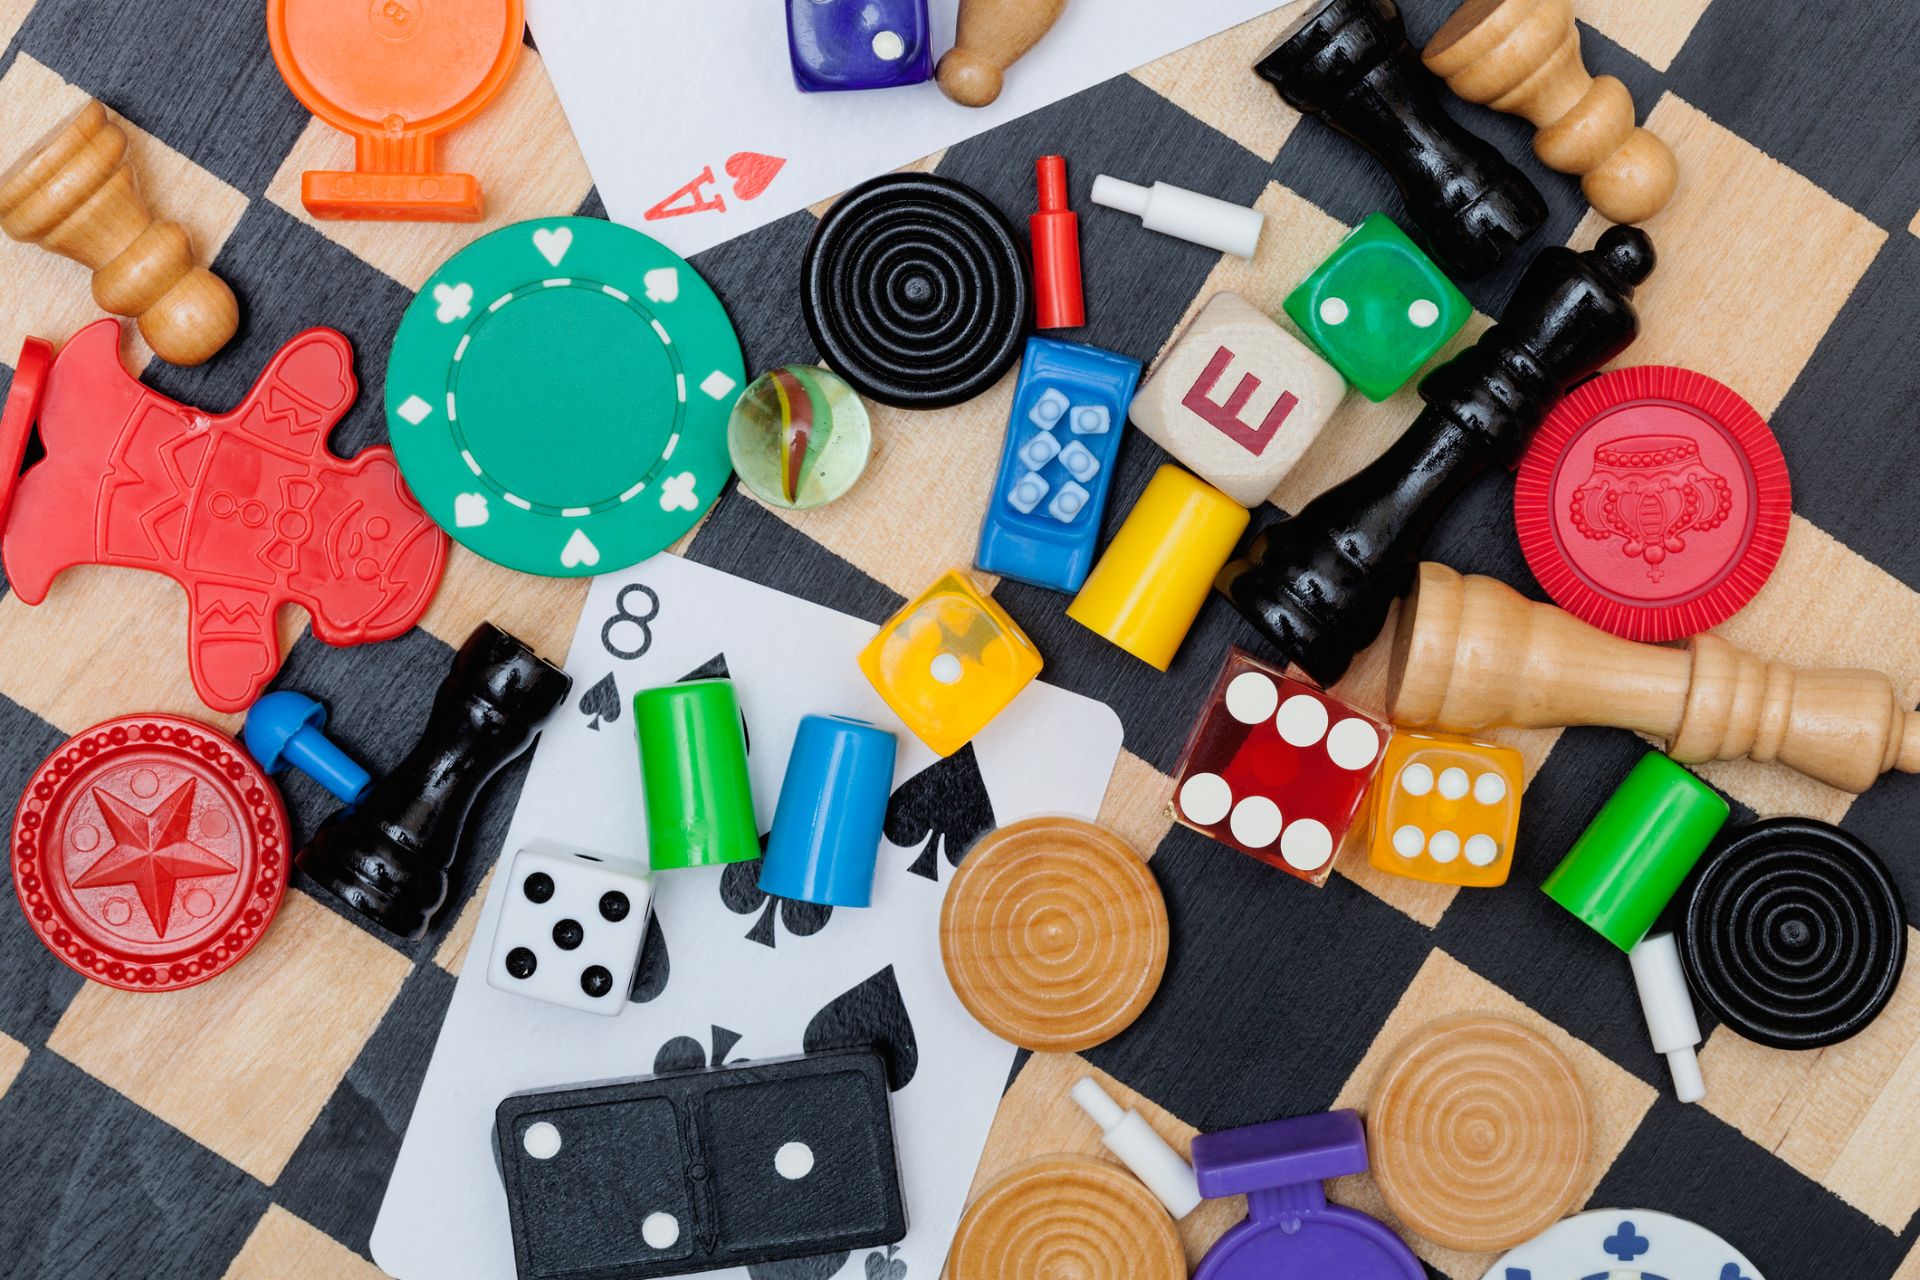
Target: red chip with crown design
{"x": 150, "y": 853}
{"x": 1653, "y": 503}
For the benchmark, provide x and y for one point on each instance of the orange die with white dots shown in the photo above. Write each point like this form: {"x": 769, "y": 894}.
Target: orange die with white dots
{"x": 1447, "y": 810}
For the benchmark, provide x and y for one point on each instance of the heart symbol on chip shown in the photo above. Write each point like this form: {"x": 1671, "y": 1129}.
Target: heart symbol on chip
{"x": 453, "y": 302}
{"x": 553, "y": 243}
{"x": 663, "y": 284}
{"x": 580, "y": 550}
{"x": 470, "y": 510}
{"x": 753, "y": 173}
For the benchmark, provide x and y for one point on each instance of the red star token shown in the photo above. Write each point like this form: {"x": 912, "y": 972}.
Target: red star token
{"x": 150, "y": 853}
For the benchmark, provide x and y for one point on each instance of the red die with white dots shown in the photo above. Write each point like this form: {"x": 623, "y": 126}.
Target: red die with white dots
{"x": 1276, "y": 768}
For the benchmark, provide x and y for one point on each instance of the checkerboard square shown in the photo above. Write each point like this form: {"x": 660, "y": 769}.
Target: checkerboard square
{"x": 39, "y": 986}
{"x": 1138, "y": 804}
{"x": 1845, "y": 1116}
{"x": 51, "y": 297}
{"x": 1244, "y": 107}
{"x": 1617, "y": 1100}
{"x": 13, "y": 1056}
{"x": 276, "y": 1033}
{"x": 519, "y": 148}
{"x": 1747, "y": 307}
{"x": 1654, "y": 32}
{"x": 282, "y": 1247}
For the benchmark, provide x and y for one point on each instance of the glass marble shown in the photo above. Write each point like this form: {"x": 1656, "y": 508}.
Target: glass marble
{"x": 1447, "y": 810}
{"x": 799, "y": 437}
{"x": 1276, "y": 768}
{"x": 1378, "y": 308}
{"x": 950, "y": 662}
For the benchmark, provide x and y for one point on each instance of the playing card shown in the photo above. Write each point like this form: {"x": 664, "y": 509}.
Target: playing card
{"x": 730, "y": 974}
{"x": 688, "y": 116}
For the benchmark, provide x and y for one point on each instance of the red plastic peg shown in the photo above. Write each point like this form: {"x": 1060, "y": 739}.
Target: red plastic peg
{"x": 1059, "y": 303}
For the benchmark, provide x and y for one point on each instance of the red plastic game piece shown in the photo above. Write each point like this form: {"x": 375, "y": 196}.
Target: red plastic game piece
{"x": 1653, "y": 503}
{"x": 247, "y": 510}
{"x": 149, "y": 853}
{"x": 1055, "y": 230}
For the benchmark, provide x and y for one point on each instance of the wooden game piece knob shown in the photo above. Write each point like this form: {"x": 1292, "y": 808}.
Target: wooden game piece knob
{"x": 1471, "y": 653}
{"x": 1480, "y": 1132}
{"x": 1069, "y": 1217}
{"x": 75, "y": 194}
{"x": 992, "y": 35}
{"x": 1054, "y": 934}
{"x": 1523, "y": 57}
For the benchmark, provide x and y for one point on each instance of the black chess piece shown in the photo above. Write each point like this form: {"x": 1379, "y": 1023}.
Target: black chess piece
{"x": 1319, "y": 584}
{"x": 1349, "y": 63}
{"x": 388, "y": 856}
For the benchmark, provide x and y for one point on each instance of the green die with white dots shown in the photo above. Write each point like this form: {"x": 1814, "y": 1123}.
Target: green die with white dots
{"x": 1378, "y": 308}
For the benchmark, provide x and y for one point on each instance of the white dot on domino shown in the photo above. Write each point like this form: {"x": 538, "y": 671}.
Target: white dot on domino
{"x": 1040, "y": 450}
{"x": 660, "y": 1230}
{"x": 1079, "y": 462}
{"x": 1205, "y": 798}
{"x": 1027, "y": 492}
{"x": 793, "y": 1161}
{"x": 1069, "y": 503}
{"x": 541, "y": 1140}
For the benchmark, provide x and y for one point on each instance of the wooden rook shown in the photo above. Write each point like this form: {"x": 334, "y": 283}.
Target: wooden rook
{"x": 1471, "y": 653}
{"x": 1523, "y": 57}
{"x": 1238, "y": 399}
{"x": 1318, "y": 585}
{"x": 992, "y": 35}
{"x": 75, "y": 194}
{"x": 1348, "y": 62}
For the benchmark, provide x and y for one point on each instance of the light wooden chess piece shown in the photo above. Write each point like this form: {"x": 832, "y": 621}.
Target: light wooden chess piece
{"x": 1471, "y": 653}
{"x": 76, "y": 195}
{"x": 1523, "y": 56}
{"x": 992, "y": 36}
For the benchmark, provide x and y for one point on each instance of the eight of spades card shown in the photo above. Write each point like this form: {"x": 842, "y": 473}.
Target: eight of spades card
{"x": 728, "y": 973}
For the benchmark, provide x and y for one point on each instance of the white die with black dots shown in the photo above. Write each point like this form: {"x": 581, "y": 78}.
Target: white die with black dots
{"x": 571, "y": 927}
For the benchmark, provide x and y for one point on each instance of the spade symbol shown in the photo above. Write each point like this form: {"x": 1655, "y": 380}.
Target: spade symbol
{"x": 887, "y": 1266}
{"x": 602, "y": 702}
{"x": 942, "y": 809}
{"x": 650, "y": 979}
{"x": 684, "y": 1053}
{"x": 740, "y": 890}
{"x": 872, "y": 1013}
{"x": 799, "y": 1268}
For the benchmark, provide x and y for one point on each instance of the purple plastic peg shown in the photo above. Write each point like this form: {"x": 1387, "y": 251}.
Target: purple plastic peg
{"x": 1290, "y": 1229}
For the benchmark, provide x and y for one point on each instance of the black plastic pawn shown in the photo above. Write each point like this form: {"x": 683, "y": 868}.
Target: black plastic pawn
{"x": 1349, "y": 63}
{"x": 388, "y": 856}
{"x": 1319, "y": 585}
{"x": 1795, "y": 934}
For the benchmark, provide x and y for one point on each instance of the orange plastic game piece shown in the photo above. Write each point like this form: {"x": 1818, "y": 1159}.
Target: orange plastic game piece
{"x": 394, "y": 75}
{"x": 1447, "y": 810}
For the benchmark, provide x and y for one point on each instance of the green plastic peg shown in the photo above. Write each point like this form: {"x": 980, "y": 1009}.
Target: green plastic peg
{"x": 1629, "y": 862}
{"x": 693, "y": 774}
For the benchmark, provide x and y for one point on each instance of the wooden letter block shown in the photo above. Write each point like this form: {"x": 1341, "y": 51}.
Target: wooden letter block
{"x": 1238, "y": 399}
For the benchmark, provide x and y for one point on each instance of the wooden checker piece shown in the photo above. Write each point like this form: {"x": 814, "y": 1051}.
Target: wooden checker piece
{"x": 1066, "y": 1218}
{"x": 1481, "y": 1133}
{"x": 1054, "y": 934}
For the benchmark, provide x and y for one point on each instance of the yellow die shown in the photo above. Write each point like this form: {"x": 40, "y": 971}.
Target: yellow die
{"x": 950, "y": 662}
{"x": 1447, "y": 810}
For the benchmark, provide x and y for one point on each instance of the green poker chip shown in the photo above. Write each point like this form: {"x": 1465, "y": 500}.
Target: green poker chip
{"x": 558, "y": 396}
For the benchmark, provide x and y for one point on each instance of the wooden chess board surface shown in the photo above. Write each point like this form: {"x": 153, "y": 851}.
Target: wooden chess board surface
{"x": 246, "y": 1128}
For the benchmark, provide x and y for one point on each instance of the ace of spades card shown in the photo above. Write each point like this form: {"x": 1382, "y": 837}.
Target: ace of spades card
{"x": 730, "y": 974}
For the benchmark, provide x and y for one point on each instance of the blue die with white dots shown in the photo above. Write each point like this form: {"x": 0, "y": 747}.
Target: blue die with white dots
{"x": 1062, "y": 439}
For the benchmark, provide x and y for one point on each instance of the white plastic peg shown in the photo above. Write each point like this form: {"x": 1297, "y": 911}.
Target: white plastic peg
{"x": 1129, "y": 1136}
{"x": 1175, "y": 211}
{"x": 1669, "y": 1011}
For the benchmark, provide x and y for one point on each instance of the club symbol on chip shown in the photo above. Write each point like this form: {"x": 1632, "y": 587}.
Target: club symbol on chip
{"x": 453, "y": 302}
{"x": 580, "y": 550}
{"x": 676, "y": 493}
{"x": 663, "y": 284}
{"x": 553, "y": 243}
{"x": 470, "y": 510}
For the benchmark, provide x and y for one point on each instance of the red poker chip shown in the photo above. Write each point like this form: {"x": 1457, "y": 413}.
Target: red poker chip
{"x": 1653, "y": 503}
{"x": 150, "y": 853}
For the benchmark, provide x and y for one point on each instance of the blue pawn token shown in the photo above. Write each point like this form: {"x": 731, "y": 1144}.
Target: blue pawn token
{"x": 858, "y": 44}
{"x": 833, "y": 803}
{"x": 1043, "y": 520}
{"x": 286, "y": 728}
